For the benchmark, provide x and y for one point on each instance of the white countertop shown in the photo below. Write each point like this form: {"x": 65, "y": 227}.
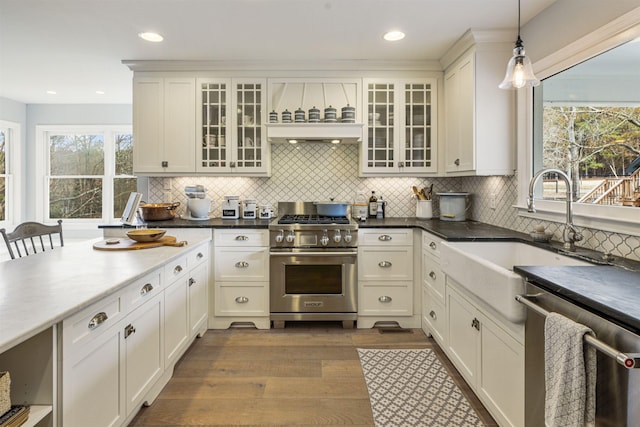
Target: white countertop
{"x": 40, "y": 290}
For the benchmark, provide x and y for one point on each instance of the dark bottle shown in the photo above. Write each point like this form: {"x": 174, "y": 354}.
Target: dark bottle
{"x": 373, "y": 205}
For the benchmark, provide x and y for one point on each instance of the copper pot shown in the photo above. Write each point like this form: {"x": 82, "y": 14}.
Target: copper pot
{"x": 158, "y": 211}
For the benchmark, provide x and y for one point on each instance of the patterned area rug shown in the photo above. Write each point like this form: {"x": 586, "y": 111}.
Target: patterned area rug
{"x": 412, "y": 388}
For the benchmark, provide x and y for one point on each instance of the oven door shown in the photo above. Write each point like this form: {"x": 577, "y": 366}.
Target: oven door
{"x": 313, "y": 282}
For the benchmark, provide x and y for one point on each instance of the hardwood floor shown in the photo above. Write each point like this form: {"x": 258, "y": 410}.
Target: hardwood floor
{"x": 305, "y": 374}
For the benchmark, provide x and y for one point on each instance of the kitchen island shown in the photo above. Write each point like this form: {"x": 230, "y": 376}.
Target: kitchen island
{"x": 42, "y": 295}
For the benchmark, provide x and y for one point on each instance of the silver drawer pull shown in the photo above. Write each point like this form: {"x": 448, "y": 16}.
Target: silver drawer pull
{"x": 129, "y": 330}
{"x": 384, "y": 238}
{"x": 432, "y": 275}
{"x": 242, "y": 238}
{"x": 97, "y": 320}
{"x": 177, "y": 269}
{"x": 433, "y": 245}
{"x": 433, "y": 315}
{"x": 146, "y": 289}
{"x": 200, "y": 255}
{"x": 384, "y": 264}
{"x": 192, "y": 281}
{"x": 242, "y": 264}
{"x": 242, "y": 300}
{"x": 385, "y": 299}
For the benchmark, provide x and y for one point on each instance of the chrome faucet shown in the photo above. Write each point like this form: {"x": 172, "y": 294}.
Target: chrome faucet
{"x": 571, "y": 233}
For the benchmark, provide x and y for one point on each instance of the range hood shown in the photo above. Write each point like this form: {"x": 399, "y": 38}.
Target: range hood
{"x": 346, "y": 133}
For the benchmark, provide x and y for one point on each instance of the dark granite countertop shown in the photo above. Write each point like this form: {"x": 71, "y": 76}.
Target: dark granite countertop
{"x": 209, "y": 223}
{"x": 611, "y": 292}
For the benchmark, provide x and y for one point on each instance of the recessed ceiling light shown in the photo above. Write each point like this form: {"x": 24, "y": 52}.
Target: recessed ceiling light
{"x": 335, "y": 141}
{"x": 51, "y": 92}
{"x": 393, "y": 36}
{"x": 293, "y": 141}
{"x": 100, "y": 92}
{"x": 151, "y": 37}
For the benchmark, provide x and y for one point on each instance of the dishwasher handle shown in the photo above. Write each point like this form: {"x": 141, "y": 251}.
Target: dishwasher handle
{"x": 628, "y": 360}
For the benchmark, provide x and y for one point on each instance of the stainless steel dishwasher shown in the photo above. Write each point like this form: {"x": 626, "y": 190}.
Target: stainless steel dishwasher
{"x": 618, "y": 379}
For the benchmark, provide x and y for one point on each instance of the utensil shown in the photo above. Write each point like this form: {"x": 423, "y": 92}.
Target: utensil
{"x": 417, "y": 193}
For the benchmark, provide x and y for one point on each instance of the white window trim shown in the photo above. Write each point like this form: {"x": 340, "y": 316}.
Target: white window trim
{"x": 14, "y": 174}
{"x": 607, "y": 218}
{"x": 42, "y": 166}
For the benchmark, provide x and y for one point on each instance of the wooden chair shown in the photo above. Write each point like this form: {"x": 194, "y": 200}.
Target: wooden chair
{"x": 31, "y": 237}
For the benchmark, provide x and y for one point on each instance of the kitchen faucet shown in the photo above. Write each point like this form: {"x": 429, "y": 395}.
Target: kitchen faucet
{"x": 571, "y": 233}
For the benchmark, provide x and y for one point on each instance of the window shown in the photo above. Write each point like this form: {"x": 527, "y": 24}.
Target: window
{"x": 88, "y": 172}
{"x": 9, "y": 204}
{"x": 584, "y": 119}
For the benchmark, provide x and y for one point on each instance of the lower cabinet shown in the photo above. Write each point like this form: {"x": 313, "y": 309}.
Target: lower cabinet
{"x": 490, "y": 359}
{"x": 119, "y": 352}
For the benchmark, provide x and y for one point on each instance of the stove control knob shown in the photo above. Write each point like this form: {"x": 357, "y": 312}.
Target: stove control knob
{"x": 280, "y": 237}
{"x": 337, "y": 237}
{"x": 347, "y": 236}
{"x": 291, "y": 236}
{"x": 324, "y": 240}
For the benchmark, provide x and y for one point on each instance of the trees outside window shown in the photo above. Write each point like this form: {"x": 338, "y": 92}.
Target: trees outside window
{"x": 89, "y": 172}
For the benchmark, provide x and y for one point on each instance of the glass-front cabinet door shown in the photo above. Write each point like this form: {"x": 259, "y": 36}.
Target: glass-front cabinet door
{"x": 400, "y": 127}
{"x": 231, "y": 125}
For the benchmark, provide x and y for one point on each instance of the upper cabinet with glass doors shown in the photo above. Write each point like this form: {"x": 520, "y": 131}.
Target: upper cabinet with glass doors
{"x": 231, "y": 127}
{"x": 400, "y": 122}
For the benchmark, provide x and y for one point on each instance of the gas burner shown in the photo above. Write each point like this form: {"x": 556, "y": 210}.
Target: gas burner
{"x": 312, "y": 219}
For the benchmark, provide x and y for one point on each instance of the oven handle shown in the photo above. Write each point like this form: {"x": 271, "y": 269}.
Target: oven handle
{"x": 318, "y": 253}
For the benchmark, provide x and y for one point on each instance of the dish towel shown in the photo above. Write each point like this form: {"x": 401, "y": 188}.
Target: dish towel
{"x": 570, "y": 373}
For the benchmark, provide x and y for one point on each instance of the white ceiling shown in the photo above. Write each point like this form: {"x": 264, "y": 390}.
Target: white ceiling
{"x": 75, "y": 47}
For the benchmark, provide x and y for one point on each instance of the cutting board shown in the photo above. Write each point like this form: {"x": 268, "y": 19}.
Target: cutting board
{"x": 126, "y": 244}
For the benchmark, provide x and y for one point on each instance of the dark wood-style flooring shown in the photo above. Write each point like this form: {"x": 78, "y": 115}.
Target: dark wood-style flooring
{"x": 307, "y": 374}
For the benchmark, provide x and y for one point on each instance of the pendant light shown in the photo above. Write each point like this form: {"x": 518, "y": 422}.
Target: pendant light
{"x": 519, "y": 71}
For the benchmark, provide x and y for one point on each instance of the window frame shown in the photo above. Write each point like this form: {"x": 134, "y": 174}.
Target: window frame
{"x": 607, "y": 218}
{"x": 13, "y": 174}
{"x": 109, "y": 176}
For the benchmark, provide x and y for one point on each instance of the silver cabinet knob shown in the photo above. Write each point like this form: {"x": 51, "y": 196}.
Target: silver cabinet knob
{"x": 385, "y": 299}
{"x": 384, "y": 264}
{"x": 146, "y": 289}
{"x": 433, "y": 315}
{"x": 177, "y": 269}
{"x": 432, "y": 274}
{"x": 97, "y": 320}
{"x": 200, "y": 255}
{"x": 192, "y": 281}
{"x": 385, "y": 238}
{"x": 433, "y": 245}
{"x": 242, "y": 264}
{"x": 242, "y": 238}
{"x": 242, "y": 300}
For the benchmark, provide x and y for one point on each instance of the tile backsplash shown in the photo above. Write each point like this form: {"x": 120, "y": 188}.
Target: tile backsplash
{"x": 316, "y": 171}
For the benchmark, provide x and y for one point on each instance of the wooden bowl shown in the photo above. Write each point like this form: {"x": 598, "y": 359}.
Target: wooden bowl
{"x": 146, "y": 235}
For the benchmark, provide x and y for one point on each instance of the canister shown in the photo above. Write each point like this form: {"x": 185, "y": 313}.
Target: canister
{"x": 273, "y": 117}
{"x": 348, "y": 114}
{"x": 298, "y": 116}
{"x": 286, "y": 116}
{"x": 453, "y": 206}
{"x": 314, "y": 115}
{"x": 330, "y": 114}
{"x": 249, "y": 209}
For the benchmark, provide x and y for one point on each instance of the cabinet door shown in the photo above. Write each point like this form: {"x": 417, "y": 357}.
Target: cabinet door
{"x": 176, "y": 324}
{"x": 213, "y": 126}
{"x": 143, "y": 335}
{"x": 459, "y": 88}
{"x": 148, "y": 124}
{"x": 250, "y": 155}
{"x": 390, "y": 265}
{"x": 179, "y": 125}
{"x": 198, "y": 306}
{"x": 464, "y": 335}
{"x": 501, "y": 374}
{"x": 418, "y": 148}
{"x": 93, "y": 377}
{"x": 241, "y": 264}
{"x": 378, "y": 153}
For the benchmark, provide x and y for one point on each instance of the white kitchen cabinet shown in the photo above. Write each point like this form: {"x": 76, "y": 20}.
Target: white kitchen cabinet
{"x": 241, "y": 271}
{"x": 164, "y": 116}
{"x": 176, "y": 320}
{"x": 230, "y": 127}
{"x": 385, "y": 276}
{"x": 490, "y": 359}
{"x": 434, "y": 319}
{"x": 400, "y": 135}
{"x": 198, "y": 284}
{"x": 479, "y": 137}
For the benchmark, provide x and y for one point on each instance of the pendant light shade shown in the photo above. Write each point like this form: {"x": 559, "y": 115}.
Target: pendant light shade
{"x": 519, "y": 70}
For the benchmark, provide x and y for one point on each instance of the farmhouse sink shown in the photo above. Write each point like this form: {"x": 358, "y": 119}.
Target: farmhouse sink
{"x": 486, "y": 270}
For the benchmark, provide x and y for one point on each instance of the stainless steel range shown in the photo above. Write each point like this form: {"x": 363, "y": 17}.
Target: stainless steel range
{"x": 312, "y": 266}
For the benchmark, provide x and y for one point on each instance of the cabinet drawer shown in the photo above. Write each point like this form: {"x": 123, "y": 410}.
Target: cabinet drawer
{"x": 431, "y": 244}
{"x": 91, "y": 322}
{"x": 432, "y": 276}
{"x": 385, "y": 300}
{"x": 434, "y": 316}
{"x": 233, "y": 300}
{"x": 392, "y": 263}
{"x": 241, "y": 237}
{"x": 175, "y": 269}
{"x": 142, "y": 290}
{"x": 242, "y": 264}
{"x": 198, "y": 256}
{"x": 386, "y": 237}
